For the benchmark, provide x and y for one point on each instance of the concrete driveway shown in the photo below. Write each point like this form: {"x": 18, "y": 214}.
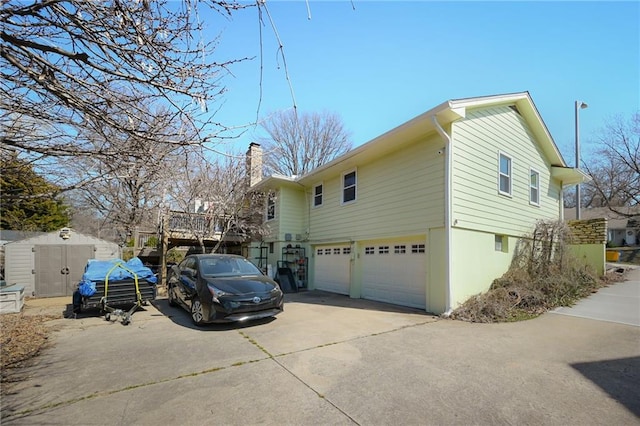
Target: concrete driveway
{"x": 329, "y": 359}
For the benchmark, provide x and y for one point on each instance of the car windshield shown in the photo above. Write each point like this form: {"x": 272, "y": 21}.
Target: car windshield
{"x": 227, "y": 267}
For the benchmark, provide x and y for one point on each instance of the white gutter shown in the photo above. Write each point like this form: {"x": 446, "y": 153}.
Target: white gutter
{"x": 448, "y": 163}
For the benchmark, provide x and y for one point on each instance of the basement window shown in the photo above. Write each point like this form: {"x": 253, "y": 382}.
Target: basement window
{"x": 501, "y": 243}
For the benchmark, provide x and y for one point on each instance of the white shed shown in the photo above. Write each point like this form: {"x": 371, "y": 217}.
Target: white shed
{"x": 52, "y": 264}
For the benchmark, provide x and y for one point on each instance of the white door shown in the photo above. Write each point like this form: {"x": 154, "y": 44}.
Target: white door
{"x": 395, "y": 272}
{"x": 332, "y": 268}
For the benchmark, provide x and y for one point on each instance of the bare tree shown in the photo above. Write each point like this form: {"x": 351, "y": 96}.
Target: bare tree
{"x": 127, "y": 186}
{"x": 298, "y": 143}
{"x": 71, "y": 64}
{"x": 615, "y": 168}
{"x": 221, "y": 190}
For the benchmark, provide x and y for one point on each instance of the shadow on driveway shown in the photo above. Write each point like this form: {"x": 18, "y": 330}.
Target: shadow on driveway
{"x": 319, "y": 297}
{"x": 182, "y": 318}
{"x": 620, "y": 378}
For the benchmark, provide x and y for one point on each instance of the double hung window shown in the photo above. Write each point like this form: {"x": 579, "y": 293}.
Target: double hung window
{"x": 534, "y": 187}
{"x": 504, "y": 175}
{"x": 317, "y": 195}
{"x": 349, "y": 187}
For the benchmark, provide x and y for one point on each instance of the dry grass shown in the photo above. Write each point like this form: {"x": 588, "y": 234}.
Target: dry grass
{"x": 23, "y": 336}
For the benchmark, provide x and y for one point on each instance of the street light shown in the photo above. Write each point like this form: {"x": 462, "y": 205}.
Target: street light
{"x": 579, "y": 105}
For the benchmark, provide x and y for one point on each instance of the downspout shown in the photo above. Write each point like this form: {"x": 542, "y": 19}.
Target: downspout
{"x": 561, "y": 212}
{"x": 447, "y": 212}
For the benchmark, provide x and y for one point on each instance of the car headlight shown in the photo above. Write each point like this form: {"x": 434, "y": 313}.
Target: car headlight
{"x": 216, "y": 293}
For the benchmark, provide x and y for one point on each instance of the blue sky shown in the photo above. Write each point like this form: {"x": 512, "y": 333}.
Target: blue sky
{"x": 385, "y": 62}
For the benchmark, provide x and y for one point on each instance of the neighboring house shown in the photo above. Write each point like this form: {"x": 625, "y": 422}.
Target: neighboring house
{"x": 622, "y": 230}
{"x": 425, "y": 215}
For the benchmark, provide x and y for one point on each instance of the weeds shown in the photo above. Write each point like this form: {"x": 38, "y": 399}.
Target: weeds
{"x": 543, "y": 275}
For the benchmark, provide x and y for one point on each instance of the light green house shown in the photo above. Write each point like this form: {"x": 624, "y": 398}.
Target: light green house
{"x": 424, "y": 215}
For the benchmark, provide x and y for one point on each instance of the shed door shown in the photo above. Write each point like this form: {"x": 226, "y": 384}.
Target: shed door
{"x": 59, "y": 268}
{"x": 395, "y": 272}
{"x": 333, "y": 268}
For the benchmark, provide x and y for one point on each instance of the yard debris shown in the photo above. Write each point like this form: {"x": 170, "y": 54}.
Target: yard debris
{"x": 543, "y": 275}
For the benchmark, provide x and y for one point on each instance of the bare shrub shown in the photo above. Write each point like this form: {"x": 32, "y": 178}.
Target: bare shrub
{"x": 543, "y": 275}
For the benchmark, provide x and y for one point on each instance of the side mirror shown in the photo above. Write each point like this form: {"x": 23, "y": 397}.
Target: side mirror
{"x": 188, "y": 272}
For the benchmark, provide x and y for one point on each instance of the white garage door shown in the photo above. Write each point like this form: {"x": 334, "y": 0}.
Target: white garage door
{"x": 395, "y": 272}
{"x": 333, "y": 268}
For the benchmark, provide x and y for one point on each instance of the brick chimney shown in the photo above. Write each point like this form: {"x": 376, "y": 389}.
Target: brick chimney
{"x": 254, "y": 163}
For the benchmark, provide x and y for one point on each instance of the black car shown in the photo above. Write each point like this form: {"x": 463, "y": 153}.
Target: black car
{"x": 223, "y": 288}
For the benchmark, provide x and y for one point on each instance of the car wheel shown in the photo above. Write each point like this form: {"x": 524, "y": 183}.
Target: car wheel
{"x": 197, "y": 311}
{"x": 171, "y": 296}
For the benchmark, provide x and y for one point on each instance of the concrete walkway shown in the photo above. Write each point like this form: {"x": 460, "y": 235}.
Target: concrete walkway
{"x": 618, "y": 302}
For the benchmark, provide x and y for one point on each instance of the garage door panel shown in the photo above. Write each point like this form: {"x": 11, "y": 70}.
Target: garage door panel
{"x": 333, "y": 268}
{"x": 395, "y": 273}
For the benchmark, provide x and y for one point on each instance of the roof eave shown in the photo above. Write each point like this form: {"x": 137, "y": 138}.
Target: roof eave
{"x": 569, "y": 175}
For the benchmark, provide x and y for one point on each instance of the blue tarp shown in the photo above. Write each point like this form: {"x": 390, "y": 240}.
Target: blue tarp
{"x": 97, "y": 270}
{"x": 87, "y": 288}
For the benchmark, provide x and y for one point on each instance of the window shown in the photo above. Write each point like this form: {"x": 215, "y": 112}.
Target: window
{"x": 320, "y": 251}
{"x": 501, "y": 243}
{"x": 336, "y": 251}
{"x": 346, "y": 250}
{"x": 271, "y": 206}
{"x": 417, "y": 248}
{"x": 400, "y": 249}
{"x": 317, "y": 195}
{"x": 504, "y": 179}
{"x": 534, "y": 187}
{"x": 369, "y": 250}
{"x": 383, "y": 250}
{"x": 327, "y": 251}
{"x": 349, "y": 187}
{"x": 271, "y": 246}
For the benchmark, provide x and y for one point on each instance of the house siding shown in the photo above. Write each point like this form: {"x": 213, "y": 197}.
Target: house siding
{"x": 399, "y": 195}
{"x": 292, "y": 209}
{"x": 476, "y": 263}
{"x": 476, "y": 204}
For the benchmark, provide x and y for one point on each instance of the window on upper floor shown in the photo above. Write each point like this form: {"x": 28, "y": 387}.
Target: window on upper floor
{"x": 534, "y": 187}
{"x": 317, "y": 195}
{"x": 271, "y": 206}
{"x": 349, "y": 187}
{"x": 504, "y": 175}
